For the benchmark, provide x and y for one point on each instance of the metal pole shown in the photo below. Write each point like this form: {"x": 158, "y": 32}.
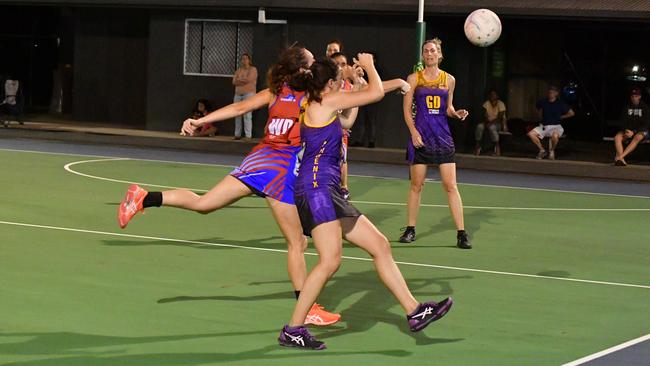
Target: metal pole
{"x": 420, "y": 30}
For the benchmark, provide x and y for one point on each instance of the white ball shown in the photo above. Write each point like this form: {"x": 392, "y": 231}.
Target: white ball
{"x": 482, "y": 27}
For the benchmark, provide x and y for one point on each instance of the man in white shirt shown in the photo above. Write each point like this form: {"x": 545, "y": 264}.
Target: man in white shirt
{"x": 494, "y": 119}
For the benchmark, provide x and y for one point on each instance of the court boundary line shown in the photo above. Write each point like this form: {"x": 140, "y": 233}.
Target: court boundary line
{"x": 412, "y": 264}
{"x": 608, "y": 351}
{"x": 351, "y": 175}
{"x": 68, "y": 168}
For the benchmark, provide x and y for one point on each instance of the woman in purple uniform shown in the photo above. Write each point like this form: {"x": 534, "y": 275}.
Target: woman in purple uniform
{"x": 432, "y": 93}
{"x": 327, "y": 216}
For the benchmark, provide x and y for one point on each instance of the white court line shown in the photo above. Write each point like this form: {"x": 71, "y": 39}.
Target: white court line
{"x": 608, "y": 351}
{"x": 512, "y": 208}
{"x": 352, "y": 175}
{"x": 68, "y": 168}
{"x": 464, "y": 269}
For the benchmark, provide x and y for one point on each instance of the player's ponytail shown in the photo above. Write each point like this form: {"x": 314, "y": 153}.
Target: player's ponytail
{"x": 314, "y": 80}
{"x": 291, "y": 62}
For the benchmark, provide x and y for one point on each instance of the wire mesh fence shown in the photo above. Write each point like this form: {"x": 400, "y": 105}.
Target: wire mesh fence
{"x": 213, "y": 48}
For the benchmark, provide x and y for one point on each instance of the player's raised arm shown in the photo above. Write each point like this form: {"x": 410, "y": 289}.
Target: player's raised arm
{"x": 373, "y": 93}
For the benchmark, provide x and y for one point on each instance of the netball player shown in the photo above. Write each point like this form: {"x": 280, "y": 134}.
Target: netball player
{"x": 268, "y": 171}
{"x": 326, "y": 216}
{"x": 432, "y": 92}
{"x": 346, "y": 84}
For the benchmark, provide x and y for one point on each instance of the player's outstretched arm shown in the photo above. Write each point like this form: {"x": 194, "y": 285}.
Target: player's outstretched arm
{"x": 373, "y": 93}
{"x": 396, "y": 84}
{"x": 257, "y": 101}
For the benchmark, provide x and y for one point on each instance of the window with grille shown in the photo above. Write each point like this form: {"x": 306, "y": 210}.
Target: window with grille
{"x": 214, "y": 47}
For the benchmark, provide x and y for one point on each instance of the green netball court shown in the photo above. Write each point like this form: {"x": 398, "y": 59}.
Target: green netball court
{"x": 554, "y": 276}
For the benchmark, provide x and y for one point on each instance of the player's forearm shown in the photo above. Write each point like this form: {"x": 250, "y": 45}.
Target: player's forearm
{"x": 391, "y": 85}
{"x": 374, "y": 82}
{"x": 348, "y": 117}
{"x": 227, "y": 112}
{"x": 410, "y": 124}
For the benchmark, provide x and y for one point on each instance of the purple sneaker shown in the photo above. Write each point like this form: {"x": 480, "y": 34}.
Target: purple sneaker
{"x": 299, "y": 337}
{"x": 428, "y": 313}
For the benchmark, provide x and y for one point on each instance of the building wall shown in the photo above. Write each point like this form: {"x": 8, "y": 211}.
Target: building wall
{"x": 110, "y": 66}
{"x": 393, "y": 40}
{"x": 171, "y": 94}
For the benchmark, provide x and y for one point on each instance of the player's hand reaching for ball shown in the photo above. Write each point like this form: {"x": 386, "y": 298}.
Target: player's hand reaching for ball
{"x": 189, "y": 127}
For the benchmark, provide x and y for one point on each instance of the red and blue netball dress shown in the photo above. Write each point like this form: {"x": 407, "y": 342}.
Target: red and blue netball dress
{"x": 318, "y": 188}
{"x": 270, "y": 169}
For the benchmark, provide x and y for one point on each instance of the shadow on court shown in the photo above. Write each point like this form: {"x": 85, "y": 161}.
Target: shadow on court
{"x": 372, "y": 308}
{"x": 561, "y": 274}
{"x": 68, "y": 343}
{"x": 273, "y": 296}
{"x": 473, "y": 221}
{"x": 76, "y": 349}
{"x": 359, "y": 187}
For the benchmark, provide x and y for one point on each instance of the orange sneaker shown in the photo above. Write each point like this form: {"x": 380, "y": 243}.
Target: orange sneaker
{"x": 131, "y": 204}
{"x": 318, "y": 316}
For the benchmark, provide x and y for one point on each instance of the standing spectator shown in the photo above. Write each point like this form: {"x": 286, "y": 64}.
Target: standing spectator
{"x": 202, "y": 109}
{"x": 553, "y": 111}
{"x": 494, "y": 118}
{"x": 245, "y": 82}
{"x": 333, "y": 46}
{"x": 11, "y": 101}
{"x": 636, "y": 123}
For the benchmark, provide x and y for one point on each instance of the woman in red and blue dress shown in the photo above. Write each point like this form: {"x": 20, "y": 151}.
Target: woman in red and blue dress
{"x": 327, "y": 216}
{"x": 268, "y": 171}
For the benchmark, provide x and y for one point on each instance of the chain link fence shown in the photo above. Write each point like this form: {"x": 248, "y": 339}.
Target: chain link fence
{"x": 214, "y": 47}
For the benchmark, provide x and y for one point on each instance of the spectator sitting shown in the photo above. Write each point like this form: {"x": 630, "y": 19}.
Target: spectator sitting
{"x": 202, "y": 109}
{"x": 553, "y": 111}
{"x": 495, "y": 121}
{"x": 636, "y": 123}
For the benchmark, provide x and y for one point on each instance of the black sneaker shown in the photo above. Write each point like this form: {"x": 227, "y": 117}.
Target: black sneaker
{"x": 428, "y": 313}
{"x": 408, "y": 236}
{"x": 299, "y": 337}
{"x": 463, "y": 240}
